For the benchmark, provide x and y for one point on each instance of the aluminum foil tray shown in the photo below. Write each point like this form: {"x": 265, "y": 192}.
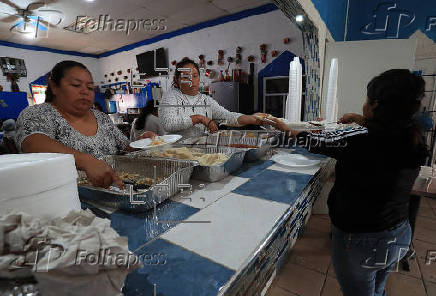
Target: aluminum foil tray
{"x": 171, "y": 172}
{"x": 259, "y": 138}
{"x": 209, "y": 173}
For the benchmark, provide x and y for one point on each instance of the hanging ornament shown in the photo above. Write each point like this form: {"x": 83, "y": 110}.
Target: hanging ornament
{"x": 128, "y": 70}
{"x": 238, "y": 55}
{"x": 286, "y": 40}
{"x": 209, "y": 63}
{"x": 251, "y": 58}
{"x": 202, "y": 61}
{"x": 221, "y": 57}
{"x": 274, "y": 53}
{"x": 119, "y": 72}
{"x": 263, "y": 53}
{"x": 112, "y": 74}
{"x": 105, "y": 75}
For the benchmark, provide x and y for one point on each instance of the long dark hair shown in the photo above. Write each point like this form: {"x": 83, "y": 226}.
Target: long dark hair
{"x": 56, "y": 75}
{"x": 145, "y": 112}
{"x": 182, "y": 64}
{"x": 397, "y": 94}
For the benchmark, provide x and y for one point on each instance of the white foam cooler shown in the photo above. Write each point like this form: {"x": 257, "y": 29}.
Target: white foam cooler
{"x": 40, "y": 184}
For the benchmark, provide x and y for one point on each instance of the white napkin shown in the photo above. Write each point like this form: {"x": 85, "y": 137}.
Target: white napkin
{"x": 77, "y": 253}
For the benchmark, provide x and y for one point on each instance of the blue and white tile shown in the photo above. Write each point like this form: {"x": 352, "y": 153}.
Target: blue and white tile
{"x": 238, "y": 225}
{"x": 204, "y": 194}
{"x": 252, "y": 169}
{"x": 141, "y": 228}
{"x": 175, "y": 271}
{"x": 276, "y": 186}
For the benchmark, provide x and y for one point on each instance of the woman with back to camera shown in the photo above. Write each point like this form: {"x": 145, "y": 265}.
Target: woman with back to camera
{"x": 376, "y": 167}
{"x": 190, "y": 113}
{"x": 148, "y": 121}
{"x": 67, "y": 123}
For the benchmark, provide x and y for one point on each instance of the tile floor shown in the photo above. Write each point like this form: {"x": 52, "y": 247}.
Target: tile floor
{"x": 309, "y": 272}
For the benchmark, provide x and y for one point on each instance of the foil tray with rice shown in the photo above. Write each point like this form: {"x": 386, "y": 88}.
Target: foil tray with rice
{"x": 213, "y": 163}
{"x": 256, "y": 143}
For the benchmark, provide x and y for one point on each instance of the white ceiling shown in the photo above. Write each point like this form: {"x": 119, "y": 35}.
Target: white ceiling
{"x": 178, "y": 14}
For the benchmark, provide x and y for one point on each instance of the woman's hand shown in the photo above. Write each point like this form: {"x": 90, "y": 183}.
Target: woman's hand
{"x": 351, "y": 118}
{"x": 148, "y": 134}
{"x": 99, "y": 173}
{"x": 249, "y": 119}
{"x": 211, "y": 125}
{"x": 207, "y": 122}
{"x": 280, "y": 125}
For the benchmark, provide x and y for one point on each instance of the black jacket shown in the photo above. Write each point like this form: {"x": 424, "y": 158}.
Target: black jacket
{"x": 375, "y": 173}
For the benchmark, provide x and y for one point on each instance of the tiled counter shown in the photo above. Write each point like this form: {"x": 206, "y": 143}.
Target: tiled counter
{"x": 227, "y": 237}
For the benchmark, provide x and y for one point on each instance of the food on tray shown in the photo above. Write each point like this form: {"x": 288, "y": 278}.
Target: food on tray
{"x": 157, "y": 141}
{"x": 130, "y": 178}
{"x": 243, "y": 146}
{"x": 205, "y": 159}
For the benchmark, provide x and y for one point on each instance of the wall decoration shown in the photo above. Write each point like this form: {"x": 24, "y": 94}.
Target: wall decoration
{"x": 14, "y": 78}
{"x": 263, "y": 53}
{"x": 109, "y": 80}
{"x": 286, "y": 40}
{"x": 210, "y": 73}
{"x": 112, "y": 74}
{"x": 119, "y": 72}
{"x": 221, "y": 57}
{"x": 274, "y": 53}
{"x": 202, "y": 61}
{"x": 105, "y": 75}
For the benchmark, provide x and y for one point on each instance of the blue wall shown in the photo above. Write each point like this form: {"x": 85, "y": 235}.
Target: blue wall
{"x": 395, "y": 19}
{"x": 333, "y": 13}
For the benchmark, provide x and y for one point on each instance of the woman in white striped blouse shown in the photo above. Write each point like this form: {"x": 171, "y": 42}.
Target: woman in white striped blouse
{"x": 185, "y": 111}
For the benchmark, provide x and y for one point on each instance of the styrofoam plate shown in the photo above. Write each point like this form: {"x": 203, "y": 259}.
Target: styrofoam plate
{"x": 147, "y": 143}
{"x": 295, "y": 160}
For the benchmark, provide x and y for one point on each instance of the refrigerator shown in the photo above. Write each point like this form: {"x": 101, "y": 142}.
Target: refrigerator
{"x": 233, "y": 96}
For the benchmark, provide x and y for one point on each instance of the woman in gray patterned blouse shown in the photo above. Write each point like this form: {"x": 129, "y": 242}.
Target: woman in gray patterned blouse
{"x": 66, "y": 123}
{"x": 189, "y": 112}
